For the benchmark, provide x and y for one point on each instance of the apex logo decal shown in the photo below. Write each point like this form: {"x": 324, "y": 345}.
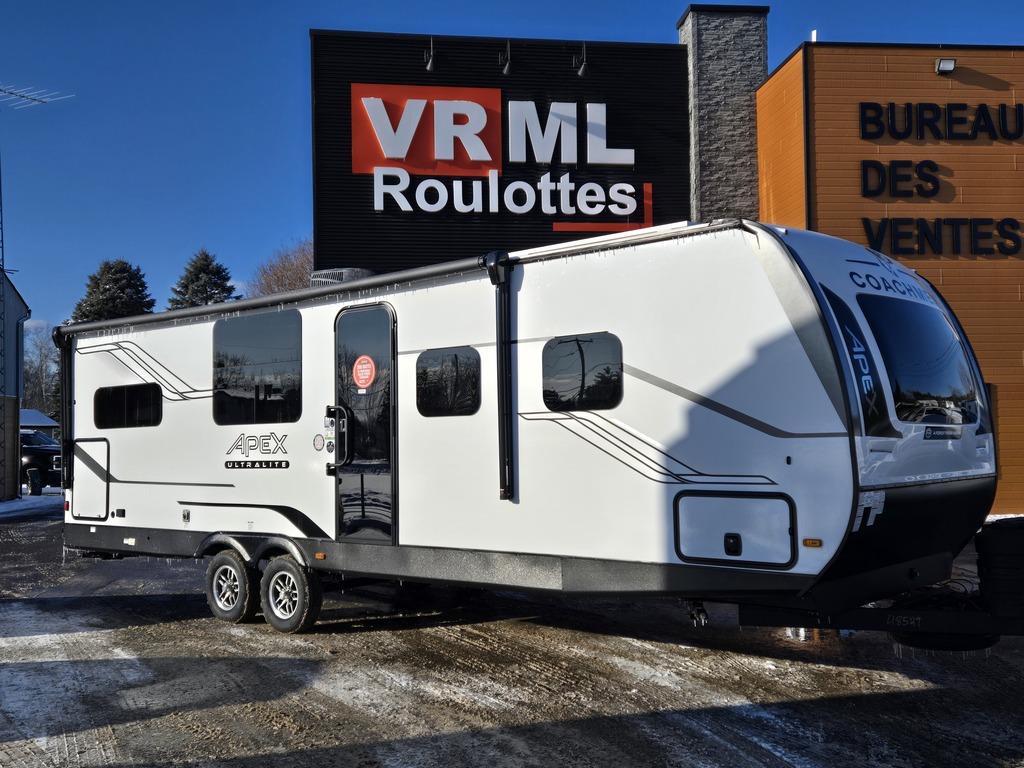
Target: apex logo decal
{"x": 266, "y": 444}
{"x": 869, "y": 382}
{"x": 866, "y": 380}
{"x": 453, "y": 138}
{"x": 258, "y": 445}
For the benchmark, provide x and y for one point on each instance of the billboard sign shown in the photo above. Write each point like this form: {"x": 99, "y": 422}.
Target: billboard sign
{"x": 430, "y": 149}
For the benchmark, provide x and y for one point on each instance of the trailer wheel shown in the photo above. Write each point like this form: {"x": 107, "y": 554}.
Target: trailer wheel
{"x": 231, "y": 588}
{"x": 291, "y": 596}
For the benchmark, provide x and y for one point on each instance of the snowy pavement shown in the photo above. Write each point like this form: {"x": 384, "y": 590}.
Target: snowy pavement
{"x": 119, "y": 663}
{"x": 51, "y": 501}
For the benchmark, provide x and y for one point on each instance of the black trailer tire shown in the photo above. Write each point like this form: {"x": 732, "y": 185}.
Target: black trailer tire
{"x": 290, "y": 595}
{"x": 232, "y": 588}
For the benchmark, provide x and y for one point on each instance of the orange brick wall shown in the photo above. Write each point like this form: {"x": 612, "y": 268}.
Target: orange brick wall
{"x": 780, "y": 146}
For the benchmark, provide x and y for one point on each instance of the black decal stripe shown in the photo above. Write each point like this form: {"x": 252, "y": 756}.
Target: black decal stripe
{"x": 159, "y": 373}
{"x": 636, "y": 459}
{"x": 86, "y": 459}
{"x": 295, "y": 517}
{"x": 113, "y": 479}
{"x": 722, "y": 409}
{"x": 874, "y": 408}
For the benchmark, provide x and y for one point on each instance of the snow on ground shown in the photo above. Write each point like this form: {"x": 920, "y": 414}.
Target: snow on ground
{"x": 119, "y": 663}
{"x": 52, "y": 500}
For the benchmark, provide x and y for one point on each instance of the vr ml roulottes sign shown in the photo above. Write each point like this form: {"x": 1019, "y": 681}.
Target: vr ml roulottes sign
{"x": 498, "y": 145}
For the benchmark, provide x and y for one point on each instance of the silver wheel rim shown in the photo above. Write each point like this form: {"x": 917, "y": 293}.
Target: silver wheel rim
{"x": 284, "y": 595}
{"x": 226, "y": 588}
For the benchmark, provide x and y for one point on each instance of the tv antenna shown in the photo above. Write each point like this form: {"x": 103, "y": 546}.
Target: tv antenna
{"x": 17, "y": 98}
{"x": 28, "y": 97}
{"x": 12, "y": 97}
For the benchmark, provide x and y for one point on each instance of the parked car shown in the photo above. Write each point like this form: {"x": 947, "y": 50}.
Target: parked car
{"x": 39, "y": 451}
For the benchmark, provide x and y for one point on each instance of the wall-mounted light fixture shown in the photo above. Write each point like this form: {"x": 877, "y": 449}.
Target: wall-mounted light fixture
{"x": 580, "y": 63}
{"x": 429, "y": 57}
{"x": 944, "y": 66}
{"x": 505, "y": 59}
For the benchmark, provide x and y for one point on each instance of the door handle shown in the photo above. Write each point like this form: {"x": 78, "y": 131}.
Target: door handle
{"x": 344, "y": 451}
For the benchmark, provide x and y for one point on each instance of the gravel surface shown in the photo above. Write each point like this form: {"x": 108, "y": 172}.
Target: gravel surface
{"x": 119, "y": 663}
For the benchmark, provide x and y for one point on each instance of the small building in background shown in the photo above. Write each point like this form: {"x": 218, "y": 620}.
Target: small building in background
{"x": 33, "y": 419}
{"x": 13, "y": 314}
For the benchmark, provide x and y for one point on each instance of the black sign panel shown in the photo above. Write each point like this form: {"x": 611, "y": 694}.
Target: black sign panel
{"x": 428, "y": 149}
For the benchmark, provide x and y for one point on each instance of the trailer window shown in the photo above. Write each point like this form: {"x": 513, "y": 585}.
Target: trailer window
{"x": 448, "y": 382}
{"x": 583, "y": 373}
{"x": 257, "y": 368}
{"x": 931, "y": 378}
{"x": 135, "y": 405}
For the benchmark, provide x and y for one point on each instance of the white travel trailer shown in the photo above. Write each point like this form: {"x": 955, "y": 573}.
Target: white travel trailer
{"x": 729, "y": 411}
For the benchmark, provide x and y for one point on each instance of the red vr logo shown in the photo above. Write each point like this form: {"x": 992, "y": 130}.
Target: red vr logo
{"x": 401, "y": 131}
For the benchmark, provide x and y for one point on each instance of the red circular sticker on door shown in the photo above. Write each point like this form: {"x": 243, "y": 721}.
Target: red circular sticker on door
{"x": 364, "y": 371}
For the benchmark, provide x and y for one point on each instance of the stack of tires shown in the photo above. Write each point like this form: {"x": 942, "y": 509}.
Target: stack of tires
{"x": 1000, "y": 547}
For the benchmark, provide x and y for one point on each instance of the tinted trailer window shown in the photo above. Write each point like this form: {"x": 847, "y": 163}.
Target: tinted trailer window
{"x": 931, "y": 378}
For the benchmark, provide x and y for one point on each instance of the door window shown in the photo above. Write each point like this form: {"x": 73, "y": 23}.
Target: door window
{"x": 364, "y": 339}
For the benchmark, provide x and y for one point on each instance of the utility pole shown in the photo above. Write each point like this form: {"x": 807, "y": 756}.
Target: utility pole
{"x": 14, "y": 98}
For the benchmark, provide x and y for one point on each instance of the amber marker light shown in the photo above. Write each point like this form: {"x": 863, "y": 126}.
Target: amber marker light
{"x": 813, "y": 543}
{"x": 319, "y": 556}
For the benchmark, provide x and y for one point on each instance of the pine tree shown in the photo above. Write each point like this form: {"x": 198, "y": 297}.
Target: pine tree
{"x": 204, "y": 281}
{"x": 116, "y": 289}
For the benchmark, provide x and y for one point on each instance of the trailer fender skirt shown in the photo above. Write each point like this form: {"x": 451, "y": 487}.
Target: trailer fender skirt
{"x": 251, "y": 548}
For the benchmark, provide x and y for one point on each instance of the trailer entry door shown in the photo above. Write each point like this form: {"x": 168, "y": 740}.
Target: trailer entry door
{"x": 365, "y": 448}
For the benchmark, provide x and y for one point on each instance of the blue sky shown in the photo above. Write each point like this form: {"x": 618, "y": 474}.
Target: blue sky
{"x": 190, "y": 121}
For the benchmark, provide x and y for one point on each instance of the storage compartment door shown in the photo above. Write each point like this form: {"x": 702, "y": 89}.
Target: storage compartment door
{"x": 748, "y": 530}
{"x": 90, "y": 497}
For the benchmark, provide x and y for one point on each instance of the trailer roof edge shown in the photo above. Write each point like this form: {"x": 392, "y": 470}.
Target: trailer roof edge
{"x": 540, "y": 253}
{"x": 275, "y": 299}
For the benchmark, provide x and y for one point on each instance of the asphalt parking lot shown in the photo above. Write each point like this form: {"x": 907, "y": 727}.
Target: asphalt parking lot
{"x": 119, "y": 663}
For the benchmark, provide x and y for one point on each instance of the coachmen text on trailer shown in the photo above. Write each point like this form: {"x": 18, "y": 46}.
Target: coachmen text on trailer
{"x": 729, "y": 412}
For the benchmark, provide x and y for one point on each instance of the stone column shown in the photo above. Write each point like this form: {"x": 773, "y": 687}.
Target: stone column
{"x": 727, "y": 52}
